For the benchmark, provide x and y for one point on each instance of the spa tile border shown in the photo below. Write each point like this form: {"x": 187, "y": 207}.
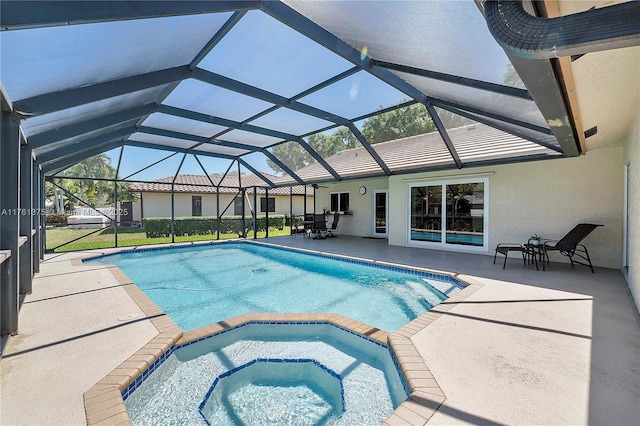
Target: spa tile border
{"x": 425, "y": 394}
{"x": 104, "y": 402}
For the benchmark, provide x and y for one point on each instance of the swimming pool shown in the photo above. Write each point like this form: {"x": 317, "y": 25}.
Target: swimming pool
{"x": 197, "y": 286}
{"x": 257, "y": 373}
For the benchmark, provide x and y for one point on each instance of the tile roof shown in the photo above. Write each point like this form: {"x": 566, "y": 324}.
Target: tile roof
{"x": 200, "y": 184}
{"x": 473, "y": 143}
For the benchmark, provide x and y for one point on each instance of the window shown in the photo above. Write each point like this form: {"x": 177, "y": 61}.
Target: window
{"x": 196, "y": 205}
{"x": 339, "y": 202}
{"x": 448, "y": 213}
{"x": 237, "y": 206}
{"x": 267, "y": 202}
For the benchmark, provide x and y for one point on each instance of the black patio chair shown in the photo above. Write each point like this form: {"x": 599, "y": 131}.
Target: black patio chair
{"x": 319, "y": 226}
{"x": 570, "y": 246}
{"x": 334, "y": 225}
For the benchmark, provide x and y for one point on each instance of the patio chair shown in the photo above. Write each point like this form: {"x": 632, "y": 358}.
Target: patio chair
{"x": 570, "y": 246}
{"x": 334, "y": 225}
{"x": 319, "y": 226}
{"x": 304, "y": 227}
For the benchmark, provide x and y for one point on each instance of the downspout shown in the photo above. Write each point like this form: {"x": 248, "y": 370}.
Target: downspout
{"x": 527, "y": 36}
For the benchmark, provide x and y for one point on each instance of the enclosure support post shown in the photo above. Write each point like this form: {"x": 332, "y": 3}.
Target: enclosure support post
{"x": 9, "y": 232}
{"x": 218, "y": 213}
{"x": 173, "y": 239}
{"x": 291, "y": 210}
{"x": 305, "y": 200}
{"x": 115, "y": 197}
{"x": 26, "y": 220}
{"x": 37, "y": 210}
{"x": 266, "y": 212}
{"x": 255, "y": 212}
{"x": 244, "y": 192}
{"x": 116, "y": 212}
{"x": 173, "y": 201}
{"x": 43, "y": 221}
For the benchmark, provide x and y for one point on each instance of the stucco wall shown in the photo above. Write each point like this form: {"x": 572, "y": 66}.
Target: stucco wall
{"x": 361, "y": 222}
{"x": 544, "y": 197}
{"x": 632, "y": 157}
{"x": 159, "y": 204}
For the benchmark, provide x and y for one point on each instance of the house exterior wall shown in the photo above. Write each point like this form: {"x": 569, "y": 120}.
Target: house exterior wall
{"x": 282, "y": 204}
{"x": 632, "y": 157}
{"x": 360, "y": 223}
{"x": 158, "y": 204}
{"x": 547, "y": 198}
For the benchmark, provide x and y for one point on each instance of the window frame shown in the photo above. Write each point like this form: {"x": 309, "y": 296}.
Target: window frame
{"x": 340, "y": 208}
{"x": 195, "y": 198}
{"x": 268, "y": 201}
{"x": 443, "y": 245}
{"x": 238, "y": 202}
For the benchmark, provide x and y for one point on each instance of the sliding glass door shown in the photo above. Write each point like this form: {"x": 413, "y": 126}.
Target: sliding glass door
{"x": 426, "y": 213}
{"x": 448, "y": 213}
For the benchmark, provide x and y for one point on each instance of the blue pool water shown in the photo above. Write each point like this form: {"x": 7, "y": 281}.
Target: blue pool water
{"x": 284, "y": 374}
{"x": 197, "y": 286}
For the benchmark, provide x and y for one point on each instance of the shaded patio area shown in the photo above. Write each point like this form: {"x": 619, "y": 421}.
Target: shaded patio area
{"x": 529, "y": 347}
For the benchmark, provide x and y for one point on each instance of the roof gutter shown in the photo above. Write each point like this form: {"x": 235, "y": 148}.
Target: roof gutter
{"x": 522, "y": 34}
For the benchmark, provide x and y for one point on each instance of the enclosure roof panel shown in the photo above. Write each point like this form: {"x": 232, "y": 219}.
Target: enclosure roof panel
{"x": 45, "y": 60}
{"x": 287, "y": 60}
{"x": 445, "y": 36}
{"x": 279, "y": 86}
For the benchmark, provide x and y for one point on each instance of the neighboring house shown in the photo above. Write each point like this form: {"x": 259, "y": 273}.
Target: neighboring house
{"x": 195, "y": 196}
{"x": 482, "y": 204}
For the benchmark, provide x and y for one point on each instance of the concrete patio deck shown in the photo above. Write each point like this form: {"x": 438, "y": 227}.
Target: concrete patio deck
{"x": 529, "y": 347}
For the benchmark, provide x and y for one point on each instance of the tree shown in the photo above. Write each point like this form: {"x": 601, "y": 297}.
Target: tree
{"x": 400, "y": 123}
{"x": 97, "y": 193}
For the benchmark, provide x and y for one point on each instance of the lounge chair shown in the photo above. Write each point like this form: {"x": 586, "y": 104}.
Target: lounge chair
{"x": 570, "y": 246}
{"x": 334, "y": 225}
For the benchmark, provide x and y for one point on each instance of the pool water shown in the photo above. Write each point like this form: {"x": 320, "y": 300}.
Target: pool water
{"x": 283, "y": 391}
{"x": 202, "y": 285}
{"x": 257, "y": 374}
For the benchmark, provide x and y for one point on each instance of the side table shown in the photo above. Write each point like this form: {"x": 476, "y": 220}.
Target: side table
{"x": 534, "y": 251}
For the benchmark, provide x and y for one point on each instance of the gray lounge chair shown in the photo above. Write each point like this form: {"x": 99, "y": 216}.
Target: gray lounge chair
{"x": 570, "y": 246}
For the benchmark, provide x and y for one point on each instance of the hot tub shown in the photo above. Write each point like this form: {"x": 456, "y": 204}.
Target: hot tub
{"x": 271, "y": 373}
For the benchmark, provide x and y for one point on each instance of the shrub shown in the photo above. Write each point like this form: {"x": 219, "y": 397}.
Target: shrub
{"x": 155, "y": 227}
{"x": 57, "y": 218}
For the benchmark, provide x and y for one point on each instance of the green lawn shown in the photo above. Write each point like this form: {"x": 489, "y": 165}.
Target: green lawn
{"x": 127, "y": 237}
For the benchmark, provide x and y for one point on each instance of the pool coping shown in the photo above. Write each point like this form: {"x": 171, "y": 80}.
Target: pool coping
{"x": 104, "y": 403}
